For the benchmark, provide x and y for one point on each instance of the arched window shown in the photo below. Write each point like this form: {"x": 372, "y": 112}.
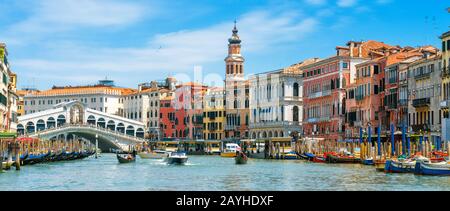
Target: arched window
{"x": 91, "y": 120}
{"x": 51, "y": 123}
{"x": 140, "y": 133}
{"x": 101, "y": 123}
{"x": 20, "y": 129}
{"x": 111, "y": 125}
{"x": 60, "y": 121}
{"x": 121, "y": 128}
{"x": 40, "y": 125}
{"x": 295, "y": 114}
{"x": 130, "y": 131}
{"x": 296, "y": 90}
{"x": 30, "y": 127}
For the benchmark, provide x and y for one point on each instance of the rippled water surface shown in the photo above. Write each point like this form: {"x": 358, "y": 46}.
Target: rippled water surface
{"x": 210, "y": 173}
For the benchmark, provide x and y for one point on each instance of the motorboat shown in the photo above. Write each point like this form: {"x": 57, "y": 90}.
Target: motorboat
{"x": 156, "y": 154}
{"x": 230, "y": 150}
{"x": 176, "y": 158}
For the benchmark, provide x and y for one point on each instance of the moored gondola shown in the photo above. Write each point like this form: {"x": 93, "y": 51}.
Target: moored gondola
{"x": 332, "y": 158}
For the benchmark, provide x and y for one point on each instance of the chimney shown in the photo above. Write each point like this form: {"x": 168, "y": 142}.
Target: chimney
{"x": 352, "y": 46}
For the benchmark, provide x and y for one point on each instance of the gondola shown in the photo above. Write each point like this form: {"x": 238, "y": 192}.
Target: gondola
{"x": 35, "y": 159}
{"x": 241, "y": 158}
{"x": 331, "y": 158}
{"x": 126, "y": 157}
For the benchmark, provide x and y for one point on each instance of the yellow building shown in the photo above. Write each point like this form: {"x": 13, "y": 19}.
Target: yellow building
{"x": 214, "y": 115}
{"x": 445, "y": 103}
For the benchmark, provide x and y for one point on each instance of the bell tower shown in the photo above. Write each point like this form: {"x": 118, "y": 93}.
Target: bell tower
{"x": 234, "y": 61}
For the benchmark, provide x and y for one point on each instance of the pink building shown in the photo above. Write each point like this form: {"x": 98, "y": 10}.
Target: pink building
{"x": 325, "y": 89}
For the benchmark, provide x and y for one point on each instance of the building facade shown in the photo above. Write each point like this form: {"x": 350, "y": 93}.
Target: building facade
{"x": 214, "y": 114}
{"x": 424, "y": 89}
{"x": 276, "y": 102}
{"x": 8, "y": 96}
{"x": 102, "y": 97}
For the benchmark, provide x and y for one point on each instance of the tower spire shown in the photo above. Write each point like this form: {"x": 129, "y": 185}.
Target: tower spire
{"x": 235, "y": 37}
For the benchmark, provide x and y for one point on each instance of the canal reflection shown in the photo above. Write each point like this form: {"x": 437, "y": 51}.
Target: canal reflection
{"x": 211, "y": 173}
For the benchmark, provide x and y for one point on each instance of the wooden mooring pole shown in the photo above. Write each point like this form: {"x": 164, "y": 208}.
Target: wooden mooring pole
{"x": 17, "y": 153}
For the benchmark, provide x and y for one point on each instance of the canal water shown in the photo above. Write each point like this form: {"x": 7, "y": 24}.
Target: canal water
{"x": 210, "y": 173}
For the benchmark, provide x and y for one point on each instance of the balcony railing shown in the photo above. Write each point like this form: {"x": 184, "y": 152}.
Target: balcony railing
{"x": 273, "y": 124}
{"x": 320, "y": 94}
{"x": 421, "y": 102}
{"x": 422, "y": 75}
{"x": 319, "y": 119}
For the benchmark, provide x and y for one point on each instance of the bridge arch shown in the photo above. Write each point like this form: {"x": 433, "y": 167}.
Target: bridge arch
{"x": 91, "y": 120}
{"x": 101, "y": 123}
{"x": 61, "y": 120}
{"x": 120, "y": 128}
{"x": 30, "y": 127}
{"x": 51, "y": 123}
{"x": 111, "y": 125}
{"x": 20, "y": 129}
{"x": 130, "y": 131}
{"x": 40, "y": 125}
{"x": 140, "y": 133}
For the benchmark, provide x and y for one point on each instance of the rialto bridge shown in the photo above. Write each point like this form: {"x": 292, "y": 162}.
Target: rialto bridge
{"x": 69, "y": 120}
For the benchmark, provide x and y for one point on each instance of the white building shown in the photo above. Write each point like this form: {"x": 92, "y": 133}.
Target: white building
{"x": 424, "y": 91}
{"x": 102, "y": 97}
{"x": 276, "y": 103}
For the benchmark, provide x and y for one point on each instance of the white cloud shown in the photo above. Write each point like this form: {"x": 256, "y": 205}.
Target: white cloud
{"x": 346, "y": 3}
{"x": 171, "y": 52}
{"x": 56, "y": 16}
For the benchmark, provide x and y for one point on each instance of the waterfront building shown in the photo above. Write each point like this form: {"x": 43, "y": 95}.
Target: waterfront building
{"x": 8, "y": 96}
{"x": 167, "y": 118}
{"x": 424, "y": 89}
{"x": 236, "y": 91}
{"x": 445, "y": 76}
{"x": 214, "y": 114}
{"x": 276, "y": 102}
{"x": 396, "y": 86}
{"x": 188, "y": 103}
{"x": 324, "y": 88}
{"x": 104, "y": 97}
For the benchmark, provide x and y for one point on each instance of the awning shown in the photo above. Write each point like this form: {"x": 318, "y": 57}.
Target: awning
{"x": 6, "y": 135}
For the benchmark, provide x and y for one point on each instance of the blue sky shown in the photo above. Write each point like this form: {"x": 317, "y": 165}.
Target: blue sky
{"x": 74, "y": 42}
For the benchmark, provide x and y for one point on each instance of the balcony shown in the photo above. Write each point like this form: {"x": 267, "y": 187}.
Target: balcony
{"x": 292, "y": 98}
{"x": 422, "y": 75}
{"x": 421, "y": 102}
{"x": 421, "y": 127}
{"x": 320, "y": 119}
{"x": 320, "y": 94}
{"x": 273, "y": 124}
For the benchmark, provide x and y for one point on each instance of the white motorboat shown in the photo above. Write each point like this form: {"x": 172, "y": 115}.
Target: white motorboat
{"x": 176, "y": 158}
{"x": 156, "y": 154}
